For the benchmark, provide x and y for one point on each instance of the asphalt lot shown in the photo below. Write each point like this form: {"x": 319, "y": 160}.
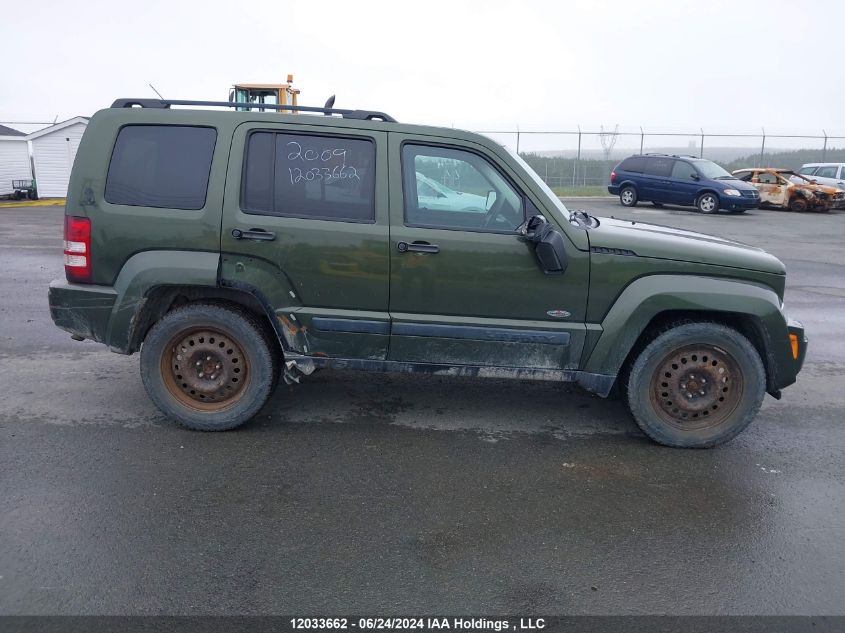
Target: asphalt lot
{"x": 375, "y": 494}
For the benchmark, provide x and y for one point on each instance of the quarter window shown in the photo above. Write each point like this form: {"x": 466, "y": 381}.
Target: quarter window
{"x": 634, "y": 164}
{"x": 309, "y": 176}
{"x": 658, "y": 166}
{"x": 455, "y": 189}
{"x": 162, "y": 166}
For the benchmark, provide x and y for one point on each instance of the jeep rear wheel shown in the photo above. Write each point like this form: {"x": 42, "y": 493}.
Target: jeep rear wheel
{"x": 707, "y": 203}
{"x": 696, "y": 385}
{"x": 628, "y": 197}
{"x": 208, "y": 367}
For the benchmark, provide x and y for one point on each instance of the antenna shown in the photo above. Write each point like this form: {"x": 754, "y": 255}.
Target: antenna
{"x": 608, "y": 140}
{"x": 156, "y": 91}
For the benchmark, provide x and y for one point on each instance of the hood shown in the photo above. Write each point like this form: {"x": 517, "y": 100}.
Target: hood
{"x": 651, "y": 240}
{"x": 736, "y": 183}
{"x": 820, "y": 188}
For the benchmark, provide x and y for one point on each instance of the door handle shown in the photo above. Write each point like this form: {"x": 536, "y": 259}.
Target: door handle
{"x": 418, "y": 247}
{"x": 253, "y": 234}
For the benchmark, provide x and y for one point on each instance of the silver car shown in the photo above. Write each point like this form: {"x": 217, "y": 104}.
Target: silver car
{"x": 831, "y": 174}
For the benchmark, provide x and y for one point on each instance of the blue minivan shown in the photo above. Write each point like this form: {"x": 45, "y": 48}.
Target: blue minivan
{"x": 683, "y": 180}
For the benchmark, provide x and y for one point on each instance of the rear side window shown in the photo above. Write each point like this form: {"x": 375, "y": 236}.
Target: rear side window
{"x": 635, "y": 164}
{"x": 162, "y": 166}
{"x": 807, "y": 171}
{"x": 309, "y": 176}
{"x": 658, "y": 166}
{"x": 827, "y": 172}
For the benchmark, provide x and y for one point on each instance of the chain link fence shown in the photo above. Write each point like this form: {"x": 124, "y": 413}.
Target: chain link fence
{"x": 580, "y": 159}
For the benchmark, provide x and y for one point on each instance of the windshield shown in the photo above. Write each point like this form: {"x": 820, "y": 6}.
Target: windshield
{"x": 709, "y": 169}
{"x": 540, "y": 182}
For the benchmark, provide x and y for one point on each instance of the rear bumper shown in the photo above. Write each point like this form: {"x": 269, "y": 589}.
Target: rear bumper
{"x": 83, "y": 310}
{"x": 613, "y": 189}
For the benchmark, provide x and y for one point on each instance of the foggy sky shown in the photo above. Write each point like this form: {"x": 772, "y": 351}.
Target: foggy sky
{"x": 671, "y": 66}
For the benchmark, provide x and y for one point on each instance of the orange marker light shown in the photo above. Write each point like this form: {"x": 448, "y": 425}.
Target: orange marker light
{"x": 793, "y": 341}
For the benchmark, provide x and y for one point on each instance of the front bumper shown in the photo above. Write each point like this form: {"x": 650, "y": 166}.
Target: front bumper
{"x": 796, "y": 328}
{"x": 838, "y": 202}
{"x": 735, "y": 203}
{"x": 84, "y": 310}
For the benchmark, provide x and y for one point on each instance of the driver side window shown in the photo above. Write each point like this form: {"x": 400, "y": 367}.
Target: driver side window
{"x": 455, "y": 189}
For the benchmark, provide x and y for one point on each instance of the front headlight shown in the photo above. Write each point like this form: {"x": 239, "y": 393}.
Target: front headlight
{"x": 732, "y": 192}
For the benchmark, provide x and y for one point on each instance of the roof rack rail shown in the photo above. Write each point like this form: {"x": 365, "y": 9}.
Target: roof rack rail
{"x": 654, "y": 154}
{"x": 362, "y": 115}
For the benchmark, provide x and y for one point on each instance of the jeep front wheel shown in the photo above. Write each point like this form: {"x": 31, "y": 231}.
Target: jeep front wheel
{"x": 696, "y": 385}
{"x": 208, "y": 367}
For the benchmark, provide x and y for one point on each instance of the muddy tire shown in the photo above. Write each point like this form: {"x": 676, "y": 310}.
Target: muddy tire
{"x": 798, "y": 204}
{"x": 209, "y": 367}
{"x": 628, "y": 196}
{"x": 707, "y": 203}
{"x": 696, "y": 385}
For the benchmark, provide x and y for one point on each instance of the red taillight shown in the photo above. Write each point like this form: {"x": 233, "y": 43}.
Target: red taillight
{"x": 612, "y": 177}
{"x": 77, "y": 249}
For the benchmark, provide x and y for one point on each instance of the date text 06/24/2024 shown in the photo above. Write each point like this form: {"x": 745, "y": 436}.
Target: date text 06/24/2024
{"x": 411, "y": 623}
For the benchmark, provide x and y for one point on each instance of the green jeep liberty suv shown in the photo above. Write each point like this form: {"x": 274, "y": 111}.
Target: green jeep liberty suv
{"x": 235, "y": 249}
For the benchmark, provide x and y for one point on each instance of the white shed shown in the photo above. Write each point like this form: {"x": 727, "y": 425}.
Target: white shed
{"x": 14, "y": 159}
{"x": 53, "y": 151}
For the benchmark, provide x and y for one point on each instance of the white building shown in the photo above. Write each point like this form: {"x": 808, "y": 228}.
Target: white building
{"x": 53, "y": 150}
{"x": 14, "y": 159}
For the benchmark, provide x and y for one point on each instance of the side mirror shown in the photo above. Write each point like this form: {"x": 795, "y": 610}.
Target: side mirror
{"x": 548, "y": 243}
{"x": 695, "y": 176}
{"x": 528, "y": 228}
{"x": 491, "y": 200}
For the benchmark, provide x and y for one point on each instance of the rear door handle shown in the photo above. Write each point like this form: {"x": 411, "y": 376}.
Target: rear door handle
{"x": 417, "y": 247}
{"x": 253, "y": 234}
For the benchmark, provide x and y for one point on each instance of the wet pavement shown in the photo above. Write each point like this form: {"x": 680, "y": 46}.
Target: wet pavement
{"x": 376, "y": 494}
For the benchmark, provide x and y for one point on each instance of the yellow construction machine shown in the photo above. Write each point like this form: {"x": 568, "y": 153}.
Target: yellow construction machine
{"x": 260, "y": 94}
